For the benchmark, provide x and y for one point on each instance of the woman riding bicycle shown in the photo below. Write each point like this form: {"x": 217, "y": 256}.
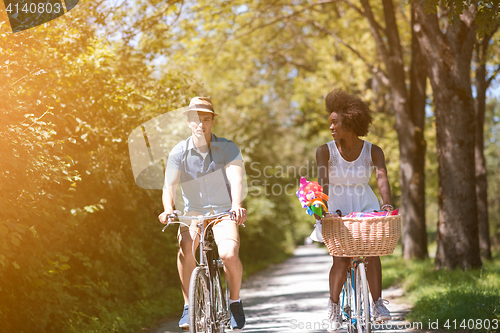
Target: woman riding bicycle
{"x": 345, "y": 165}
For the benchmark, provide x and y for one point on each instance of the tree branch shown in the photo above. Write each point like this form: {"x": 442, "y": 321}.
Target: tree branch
{"x": 394, "y": 63}
{"x": 34, "y": 122}
{"x": 431, "y": 37}
{"x": 469, "y": 15}
{"x": 112, "y": 9}
{"x": 353, "y": 6}
{"x": 154, "y": 19}
{"x": 382, "y": 49}
{"x": 485, "y": 43}
{"x": 285, "y": 17}
{"x": 362, "y": 13}
{"x": 492, "y": 77}
{"x": 370, "y": 66}
{"x": 303, "y": 65}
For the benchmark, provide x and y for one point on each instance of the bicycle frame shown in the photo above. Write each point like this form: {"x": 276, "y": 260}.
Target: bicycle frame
{"x": 210, "y": 259}
{"x": 210, "y": 263}
{"x": 206, "y": 293}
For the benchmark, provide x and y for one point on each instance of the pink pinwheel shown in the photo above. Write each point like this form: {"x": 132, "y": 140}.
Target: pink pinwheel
{"x": 311, "y": 197}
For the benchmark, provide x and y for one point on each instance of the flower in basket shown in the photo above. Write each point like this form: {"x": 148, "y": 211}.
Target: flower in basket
{"x": 311, "y": 197}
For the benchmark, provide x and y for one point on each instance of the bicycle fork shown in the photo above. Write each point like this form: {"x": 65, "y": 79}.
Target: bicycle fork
{"x": 352, "y": 288}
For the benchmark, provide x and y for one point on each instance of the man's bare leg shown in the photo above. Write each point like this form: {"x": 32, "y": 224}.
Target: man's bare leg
{"x": 185, "y": 260}
{"x": 233, "y": 269}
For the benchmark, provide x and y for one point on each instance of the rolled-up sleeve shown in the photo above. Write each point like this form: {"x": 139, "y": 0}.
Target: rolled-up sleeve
{"x": 231, "y": 152}
{"x": 173, "y": 164}
{"x": 175, "y": 157}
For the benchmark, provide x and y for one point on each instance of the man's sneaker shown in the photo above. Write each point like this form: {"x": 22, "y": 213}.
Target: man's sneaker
{"x": 379, "y": 311}
{"x": 184, "y": 322}
{"x": 237, "y": 316}
{"x": 334, "y": 317}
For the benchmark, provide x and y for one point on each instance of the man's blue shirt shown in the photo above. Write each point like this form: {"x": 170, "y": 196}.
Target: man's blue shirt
{"x": 204, "y": 183}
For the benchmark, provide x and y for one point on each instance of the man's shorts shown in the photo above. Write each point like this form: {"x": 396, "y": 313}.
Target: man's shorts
{"x": 225, "y": 229}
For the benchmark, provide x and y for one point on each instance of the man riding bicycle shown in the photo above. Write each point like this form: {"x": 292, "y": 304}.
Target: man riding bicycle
{"x": 210, "y": 171}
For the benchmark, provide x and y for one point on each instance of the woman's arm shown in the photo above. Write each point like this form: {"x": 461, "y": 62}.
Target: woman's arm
{"x": 322, "y": 157}
{"x": 384, "y": 187}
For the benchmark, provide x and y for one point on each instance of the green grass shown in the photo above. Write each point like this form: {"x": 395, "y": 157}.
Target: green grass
{"x": 447, "y": 295}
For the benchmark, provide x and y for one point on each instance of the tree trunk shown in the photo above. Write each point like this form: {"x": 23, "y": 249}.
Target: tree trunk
{"x": 410, "y": 114}
{"x": 449, "y": 58}
{"x": 414, "y": 230}
{"x": 481, "y": 180}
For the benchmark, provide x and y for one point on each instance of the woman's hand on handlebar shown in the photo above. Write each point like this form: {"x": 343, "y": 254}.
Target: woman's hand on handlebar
{"x": 337, "y": 213}
{"x": 239, "y": 215}
{"x": 387, "y": 207}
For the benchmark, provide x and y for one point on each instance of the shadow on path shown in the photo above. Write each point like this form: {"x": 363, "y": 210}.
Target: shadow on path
{"x": 292, "y": 297}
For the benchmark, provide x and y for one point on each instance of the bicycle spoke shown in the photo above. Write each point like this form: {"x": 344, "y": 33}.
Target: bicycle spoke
{"x": 199, "y": 312}
{"x": 220, "y": 308}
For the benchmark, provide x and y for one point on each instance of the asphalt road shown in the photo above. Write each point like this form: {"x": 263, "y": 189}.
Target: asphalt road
{"x": 292, "y": 297}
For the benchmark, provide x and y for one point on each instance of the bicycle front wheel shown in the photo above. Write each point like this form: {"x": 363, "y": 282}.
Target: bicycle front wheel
{"x": 362, "y": 300}
{"x": 199, "y": 302}
{"x": 348, "y": 303}
{"x": 221, "y": 311}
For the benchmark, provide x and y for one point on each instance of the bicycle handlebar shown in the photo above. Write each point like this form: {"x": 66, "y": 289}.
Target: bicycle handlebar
{"x": 175, "y": 217}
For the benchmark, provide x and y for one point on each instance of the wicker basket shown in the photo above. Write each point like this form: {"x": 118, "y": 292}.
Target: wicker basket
{"x": 353, "y": 237}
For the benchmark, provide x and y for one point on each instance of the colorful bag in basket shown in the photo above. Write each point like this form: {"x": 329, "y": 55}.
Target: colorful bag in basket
{"x": 372, "y": 214}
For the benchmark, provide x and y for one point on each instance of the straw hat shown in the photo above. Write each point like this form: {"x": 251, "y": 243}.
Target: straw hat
{"x": 200, "y": 104}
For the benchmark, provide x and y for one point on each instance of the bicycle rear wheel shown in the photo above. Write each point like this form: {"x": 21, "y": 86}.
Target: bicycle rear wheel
{"x": 199, "y": 302}
{"x": 362, "y": 300}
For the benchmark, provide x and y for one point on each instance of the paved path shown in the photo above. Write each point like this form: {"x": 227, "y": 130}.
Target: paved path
{"x": 292, "y": 297}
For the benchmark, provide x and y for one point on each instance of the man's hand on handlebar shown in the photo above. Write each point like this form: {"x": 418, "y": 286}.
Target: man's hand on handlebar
{"x": 167, "y": 217}
{"x": 239, "y": 215}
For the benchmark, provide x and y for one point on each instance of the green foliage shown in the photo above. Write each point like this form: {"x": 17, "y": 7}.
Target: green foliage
{"x": 443, "y": 294}
{"x": 270, "y": 70}
{"x": 271, "y": 227}
{"x": 79, "y": 246}
{"x": 487, "y": 15}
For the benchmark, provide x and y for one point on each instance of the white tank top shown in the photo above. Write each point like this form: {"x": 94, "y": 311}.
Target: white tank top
{"x": 348, "y": 181}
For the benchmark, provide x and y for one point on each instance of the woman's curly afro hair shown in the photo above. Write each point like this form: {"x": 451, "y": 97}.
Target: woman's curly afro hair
{"x": 353, "y": 112}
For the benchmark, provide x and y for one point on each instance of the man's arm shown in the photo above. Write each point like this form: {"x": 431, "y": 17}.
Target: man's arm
{"x": 172, "y": 177}
{"x": 235, "y": 172}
